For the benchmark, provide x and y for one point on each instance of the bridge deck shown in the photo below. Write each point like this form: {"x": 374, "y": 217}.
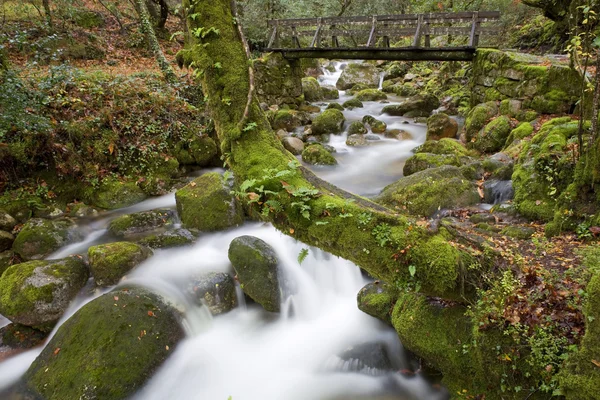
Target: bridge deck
{"x": 305, "y": 37}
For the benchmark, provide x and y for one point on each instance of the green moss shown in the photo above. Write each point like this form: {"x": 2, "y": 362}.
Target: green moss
{"x": 374, "y": 124}
{"x": 370, "y": 95}
{"x": 441, "y": 126}
{"x": 311, "y": 89}
{"x": 39, "y": 237}
{"x": 336, "y": 106}
{"x": 114, "y": 194}
{"x": 423, "y": 161}
{"x": 443, "y": 146}
{"x": 353, "y": 103}
{"x": 108, "y": 349}
{"x": 357, "y": 128}
{"x": 88, "y": 19}
{"x": 329, "y": 92}
{"x": 478, "y": 118}
{"x": 493, "y": 137}
{"x": 176, "y": 238}
{"x": 377, "y": 299}
{"x": 518, "y": 232}
{"x": 437, "y": 265}
{"x": 329, "y": 121}
{"x": 110, "y": 262}
{"x": 523, "y": 130}
{"x": 286, "y": 119}
{"x": 316, "y": 154}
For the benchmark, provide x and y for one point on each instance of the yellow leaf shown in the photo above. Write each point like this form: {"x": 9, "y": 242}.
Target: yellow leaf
{"x": 596, "y": 363}
{"x": 111, "y": 148}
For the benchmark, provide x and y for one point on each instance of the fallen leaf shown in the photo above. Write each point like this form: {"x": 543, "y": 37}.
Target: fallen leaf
{"x": 116, "y": 298}
{"x": 596, "y": 363}
{"x": 151, "y": 314}
{"x": 57, "y": 350}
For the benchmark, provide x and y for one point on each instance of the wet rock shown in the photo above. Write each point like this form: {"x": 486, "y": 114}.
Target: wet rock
{"x": 396, "y": 69}
{"x": 329, "y": 121}
{"x": 316, "y": 154}
{"x": 399, "y": 134}
{"x": 286, "y": 119}
{"x": 140, "y": 222}
{"x": 216, "y": 290}
{"x": 49, "y": 212}
{"x": 373, "y": 357}
{"x": 416, "y": 106}
{"x": 423, "y": 161}
{"x": 425, "y": 192}
{"x": 336, "y": 106}
{"x": 372, "y": 137}
{"x": 365, "y": 74}
{"x": 356, "y": 140}
{"x": 496, "y": 192}
{"x": 441, "y": 126}
{"x": 329, "y": 92}
{"x": 174, "y": 238}
{"x": 374, "y": 124}
{"x": 309, "y": 108}
{"x": 108, "y": 349}
{"x": 7, "y": 222}
{"x": 6, "y": 240}
{"x": 311, "y": 89}
{"x": 371, "y": 95}
{"x": 293, "y": 145}
{"x": 110, "y": 262}
{"x": 37, "y": 293}
{"x": 482, "y": 218}
{"x": 81, "y": 210}
{"x": 114, "y": 194}
{"x": 377, "y": 299}
{"x": 353, "y": 103}
{"x": 207, "y": 204}
{"x": 18, "y": 336}
{"x": 357, "y": 128}
{"x": 40, "y": 237}
{"x": 255, "y": 264}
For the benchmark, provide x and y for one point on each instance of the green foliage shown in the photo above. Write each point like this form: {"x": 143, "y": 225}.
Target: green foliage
{"x": 302, "y": 255}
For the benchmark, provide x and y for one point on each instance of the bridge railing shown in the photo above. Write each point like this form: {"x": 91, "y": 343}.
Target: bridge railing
{"x": 413, "y": 30}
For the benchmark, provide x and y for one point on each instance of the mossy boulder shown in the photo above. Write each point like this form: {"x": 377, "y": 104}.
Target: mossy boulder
{"x": 329, "y": 121}
{"x": 371, "y": 95}
{"x": 357, "y": 128}
{"x": 87, "y": 18}
{"x": 396, "y": 69}
{"x": 200, "y": 150}
{"x": 6, "y": 240}
{"x": 353, "y": 103}
{"x": 207, "y": 204}
{"x": 293, "y": 145}
{"x": 416, "y": 106}
{"x": 311, "y": 89}
{"x": 6, "y": 260}
{"x": 407, "y": 89}
{"x": 356, "y": 140}
{"x": 37, "y": 293}
{"x": 493, "y": 137}
{"x": 443, "y": 146}
{"x": 172, "y": 238}
{"x": 377, "y": 299}
{"x": 144, "y": 221}
{"x": 441, "y": 126}
{"x": 425, "y": 192}
{"x": 355, "y": 73}
{"x": 108, "y": 349}
{"x": 518, "y": 232}
{"x": 423, "y": 161}
{"x": 17, "y": 336}
{"x": 522, "y": 130}
{"x": 336, "y": 106}
{"x": 7, "y": 222}
{"x": 478, "y": 117}
{"x": 255, "y": 263}
{"x": 286, "y": 119}
{"x": 216, "y": 290}
{"x": 278, "y": 81}
{"x": 113, "y": 194}
{"x": 40, "y": 237}
{"x": 329, "y": 92}
{"x": 376, "y": 126}
{"x": 110, "y": 262}
{"x": 316, "y": 154}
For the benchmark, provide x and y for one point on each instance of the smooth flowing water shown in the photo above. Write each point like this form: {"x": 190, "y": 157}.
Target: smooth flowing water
{"x": 317, "y": 348}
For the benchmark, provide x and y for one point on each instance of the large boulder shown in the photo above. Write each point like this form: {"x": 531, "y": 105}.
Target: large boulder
{"x": 478, "y": 117}
{"x": 40, "y": 237}
{"x": 293, "y": 145}
{"x": 329, "y": 92}
{"x": 170, "y": 238}
{"x": 365, "y": 74}
{"x": 441, "y": 126}
{"x": 216, "y": 290}
{"x": 442, "y": 146}
{"x": 140, "y": 222}
{"x": 352, "y": 103}
{"x": 316, "y": 154}
{"x": 329, "y": 121}
{"x": 423, "y": 161}
{"x": 416, "y": 106}
{"x": 108, "y": 349}
{"x": 110, "y": 262}
{"x": 255, "y": 264}
{"x": 114, "y": 194}
{"x": 196, "y": 150}
{"x": 37, "y": 293}
{"x": 376, "y": 125}
{"x": 207, "y": 204}
{"x": 493, "y": 137}
{"x": 356, "y": 140}
{"x": 7, "y": 222}
{"x": 286, "y": 119}
{"x": 426, "y": 192}
{"x": 357, "y": 128}
{"x": 311, "y": 89}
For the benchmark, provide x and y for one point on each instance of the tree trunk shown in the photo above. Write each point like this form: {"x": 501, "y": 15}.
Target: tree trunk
{"x": 48, "y": 12}
{"x": 148, "y": 31}
{"x": 387, "y": 245}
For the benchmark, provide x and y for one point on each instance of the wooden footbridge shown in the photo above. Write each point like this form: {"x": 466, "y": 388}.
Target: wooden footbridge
{"x": 369, "y": 38}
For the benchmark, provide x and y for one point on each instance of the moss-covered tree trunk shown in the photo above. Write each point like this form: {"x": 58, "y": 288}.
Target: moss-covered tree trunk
{"x": 48, "y": 12}
{"x": 388, "y": 245}
{"x": 150, "y": 35}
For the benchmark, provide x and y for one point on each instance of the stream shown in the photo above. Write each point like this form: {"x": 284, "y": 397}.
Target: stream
{"x": 320, "y": 347}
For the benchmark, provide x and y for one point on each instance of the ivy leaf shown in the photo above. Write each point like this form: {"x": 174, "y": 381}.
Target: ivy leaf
{"x": 413, "y": 270}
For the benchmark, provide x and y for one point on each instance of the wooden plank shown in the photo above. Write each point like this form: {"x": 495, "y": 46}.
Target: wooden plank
{"x": 316, "y": 40}
{"x": 272, "y": 39}
{"x": 295, "y": 41}
{"x": 369, "y": 53}
{"x": 371, "y": 41}
{"x": 417, "y": 38}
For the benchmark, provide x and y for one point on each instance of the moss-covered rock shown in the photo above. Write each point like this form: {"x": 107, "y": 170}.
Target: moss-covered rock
{"x": 370, "y": 95}
{"x": 329, "y": 92}
{"x": 7, "y": 222}
{"x": 110, "y": 262}
{"x": 356, "y": 140}
{"x": 108, "y": 349}
{"x": 423, "y": 161}
{"x": 522, "y": 131}
{"x": 216, "y": 290}
{"x": 336, "y": 106}
{"x": 18, "y": 336}
{"x": 293, "y": 145}
{"x": 441, "y": 126}
{"x": 377, "y": 299}
{"x": 396, "y": 69}
{"x": 493, "y": 136}
{"x": 278, "y": 81}
{"x": 7, "y": 259}
{"x": 353, "y": 103}
{"x": 478, "y": 117}
{"x": 40, "y": 237}
{"x": 518, "y": 232}
{"x": 357, "y": 128}
{"x": 443, "y": 146}
{"x": 114, "y": 194}
{"x": 311, "y": 89}
{"x": 376, "y": 126}
{"x": 255, "y": 263}
{"x": 207, "y": 204}
{"x": 365, "y": 74}
{"x": 316, "y": 154}
{"x": 87, "y": 18}
{"x": 144, "y": 221}
{"x": 407, "y": 89}
{"x": 286, "y": 119}
{"x": 200, "y": 150}
{"x": 329, "y": 121}
{"x": 6, "y": 240}
{"x": 37, "y": 293}
{"x": 425, "y": 192}
{"x": 416, "y": 106}
{"x": 171, "y": 238}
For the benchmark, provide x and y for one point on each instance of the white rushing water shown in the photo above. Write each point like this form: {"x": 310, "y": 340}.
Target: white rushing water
{"x": 301, "y": 353}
